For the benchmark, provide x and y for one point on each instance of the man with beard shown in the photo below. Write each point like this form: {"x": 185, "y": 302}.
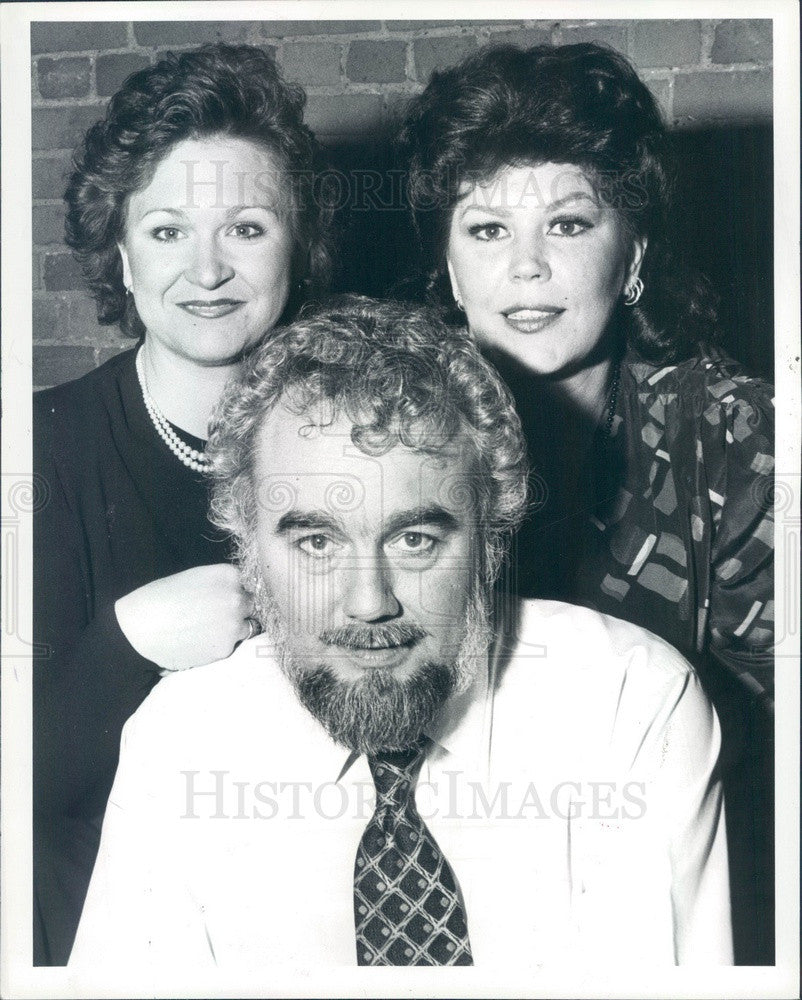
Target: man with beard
{"x": 396, "y": 773}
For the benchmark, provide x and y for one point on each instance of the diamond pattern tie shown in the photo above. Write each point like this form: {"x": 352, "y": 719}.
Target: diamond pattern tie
{"x": 407, "y": 906}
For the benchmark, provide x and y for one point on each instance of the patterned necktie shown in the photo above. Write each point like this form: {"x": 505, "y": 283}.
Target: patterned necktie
{"x": 407, "y": 905}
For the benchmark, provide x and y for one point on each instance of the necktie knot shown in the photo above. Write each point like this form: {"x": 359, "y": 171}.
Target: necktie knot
{"x": 394, "y": 775}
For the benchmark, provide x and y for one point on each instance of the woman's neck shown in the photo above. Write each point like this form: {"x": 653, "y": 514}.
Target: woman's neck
{"x": 587, "y": 391}
{"x": 184, "y": 391}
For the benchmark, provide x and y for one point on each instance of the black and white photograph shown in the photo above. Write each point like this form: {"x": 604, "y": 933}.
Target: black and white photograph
{"x": 401, "y": 499}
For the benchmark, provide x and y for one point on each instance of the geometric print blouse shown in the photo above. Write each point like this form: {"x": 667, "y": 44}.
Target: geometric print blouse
{"x": 675, "y": 531}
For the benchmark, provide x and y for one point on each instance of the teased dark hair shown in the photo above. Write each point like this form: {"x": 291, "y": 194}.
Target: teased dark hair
{"x": 576, "y": 104}
{"x": 400, "y": 375}
{"x": 214, "y": 90}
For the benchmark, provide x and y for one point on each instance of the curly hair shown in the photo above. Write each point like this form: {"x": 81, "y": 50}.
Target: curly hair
{"x": 401, "y": 376}
{"x": 580, "y": 104}
{"x": 232, "y": 90}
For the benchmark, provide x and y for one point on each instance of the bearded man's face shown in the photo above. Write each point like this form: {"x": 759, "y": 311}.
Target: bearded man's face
{"x": 365, "y": 570}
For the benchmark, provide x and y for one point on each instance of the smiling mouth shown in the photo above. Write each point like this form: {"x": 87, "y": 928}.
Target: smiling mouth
{"x": 210, "y": 309}
{"x": 526, "y": 320}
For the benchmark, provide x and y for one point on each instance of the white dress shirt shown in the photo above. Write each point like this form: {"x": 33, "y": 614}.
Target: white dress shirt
{"x": 571, "y": 789}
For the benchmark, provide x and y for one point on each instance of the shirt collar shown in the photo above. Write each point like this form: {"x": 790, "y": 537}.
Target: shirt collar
{"x": 461, "y": 730}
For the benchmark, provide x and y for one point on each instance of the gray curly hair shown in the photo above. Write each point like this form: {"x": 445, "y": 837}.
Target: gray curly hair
{"x": 401, "y": 376}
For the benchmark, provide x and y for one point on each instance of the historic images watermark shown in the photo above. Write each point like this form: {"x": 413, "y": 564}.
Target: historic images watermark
{"x": 221, "y": 795}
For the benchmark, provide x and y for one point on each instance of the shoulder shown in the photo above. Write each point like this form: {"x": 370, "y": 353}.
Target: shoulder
{"x": 71, "y": 421}
{"x": 580, "y": 661}
{"x": 210, "y": 710}
{"x": 81, "y": 392}
{"x": 71, "y": 407}
{"x": 712, "y": 378}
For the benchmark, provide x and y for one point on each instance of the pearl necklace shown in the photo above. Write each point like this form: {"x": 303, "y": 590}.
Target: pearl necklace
{"x": 193, "y": 459}
{"x": 608, "y": 423}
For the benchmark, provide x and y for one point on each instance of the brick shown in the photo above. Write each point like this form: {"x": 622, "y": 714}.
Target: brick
{"x": 376, "y": 62}
{"x": 523, "y": 38}
{"x": 345, "y": 114}
{"x": 439, "y": 53}
{"x": 47, "y": 312}
{"x": 742, "y": 41}
{"x": 62, "y": 272}
{"x": 110, "y": 71}
{"x": 433, "y": 25}
{"x": 614, "y": 35}
{"x": 315, "y": 64}
{"x": 49, "y": 176}
{"x": 54, "y": 365}
{"x": 48, "y": 224}
{"x": 660, "y": 89}
{"x": 82, "y": 325}
{"x": 77, "y": 36}
{"x": 167, "y": 33}
{"x": 63, "y": 77}
{"x": 62, "y": 127}
{"x": 665, "y": 43}
{"x": 701, "y": 97}
{"x": 289, "y": 29}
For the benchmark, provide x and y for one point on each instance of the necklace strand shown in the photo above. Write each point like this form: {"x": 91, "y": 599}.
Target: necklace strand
{"x": 191, "y": 457}
{"x": 608, "y": 423}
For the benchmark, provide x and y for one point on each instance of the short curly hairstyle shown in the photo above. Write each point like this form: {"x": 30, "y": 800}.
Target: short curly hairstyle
{"x": 401, "y": 376}
{"x": 579, "y": 104}
{"x": 217, "y": 89}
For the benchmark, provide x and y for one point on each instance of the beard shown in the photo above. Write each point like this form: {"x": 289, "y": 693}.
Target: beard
{"x": 378, "y": 710}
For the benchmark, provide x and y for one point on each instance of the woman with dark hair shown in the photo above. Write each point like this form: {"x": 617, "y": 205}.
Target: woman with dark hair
{"x": 190, "y": 208}
{"x": 540, "y": 185}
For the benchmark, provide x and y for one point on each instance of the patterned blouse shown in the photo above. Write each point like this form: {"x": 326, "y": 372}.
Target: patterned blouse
{"x": 672, "y": 525}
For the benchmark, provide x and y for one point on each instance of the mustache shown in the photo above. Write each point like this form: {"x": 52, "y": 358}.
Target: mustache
{"x": 373, "y": 636}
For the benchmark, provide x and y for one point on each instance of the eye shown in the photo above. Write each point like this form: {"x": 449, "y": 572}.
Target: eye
{"x": 416, "y": 543}
{"x": 573, "y": 226}
{"x": 488, "y": 232}
{"x": 247, "y": 230}
{"x": 167, "y": 234}
{"x": 318, "y": 546}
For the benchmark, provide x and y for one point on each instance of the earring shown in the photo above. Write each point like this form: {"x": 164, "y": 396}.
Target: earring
{"x": 633, "y": 291}
{"x": 460, "y": 306}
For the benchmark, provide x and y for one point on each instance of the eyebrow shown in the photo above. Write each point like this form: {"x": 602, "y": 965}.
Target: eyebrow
{"x": 434, "y": 514}
{"x": 178, "y": 213}
{"x": 298, "y": 520}
{"x": 550, "y": 207}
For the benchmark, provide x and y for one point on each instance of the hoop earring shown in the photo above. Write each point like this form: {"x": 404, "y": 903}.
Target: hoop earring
{"x": 460, "y": 306}
{"x": 633, "y": 292}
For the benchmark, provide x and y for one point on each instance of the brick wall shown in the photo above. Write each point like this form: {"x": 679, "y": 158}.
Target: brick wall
{"x": 357, "y": 73}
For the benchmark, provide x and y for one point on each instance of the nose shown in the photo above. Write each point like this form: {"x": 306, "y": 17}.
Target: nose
{"x": 529, "y": 260}
{"x": 369, "y": 595}
{"x": 208, "y": 267}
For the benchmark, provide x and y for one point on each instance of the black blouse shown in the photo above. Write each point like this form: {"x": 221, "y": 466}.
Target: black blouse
{"x": 120, "y": 511}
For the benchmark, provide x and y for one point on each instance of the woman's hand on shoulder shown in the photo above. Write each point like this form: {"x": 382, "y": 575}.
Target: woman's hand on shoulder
{"x": 187, "y": 619}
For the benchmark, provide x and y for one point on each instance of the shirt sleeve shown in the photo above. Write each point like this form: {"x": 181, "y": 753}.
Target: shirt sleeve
{"x": 693, "y": 810}
{"x": 139, "y": 916}
{"x": 741, "y": 480}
